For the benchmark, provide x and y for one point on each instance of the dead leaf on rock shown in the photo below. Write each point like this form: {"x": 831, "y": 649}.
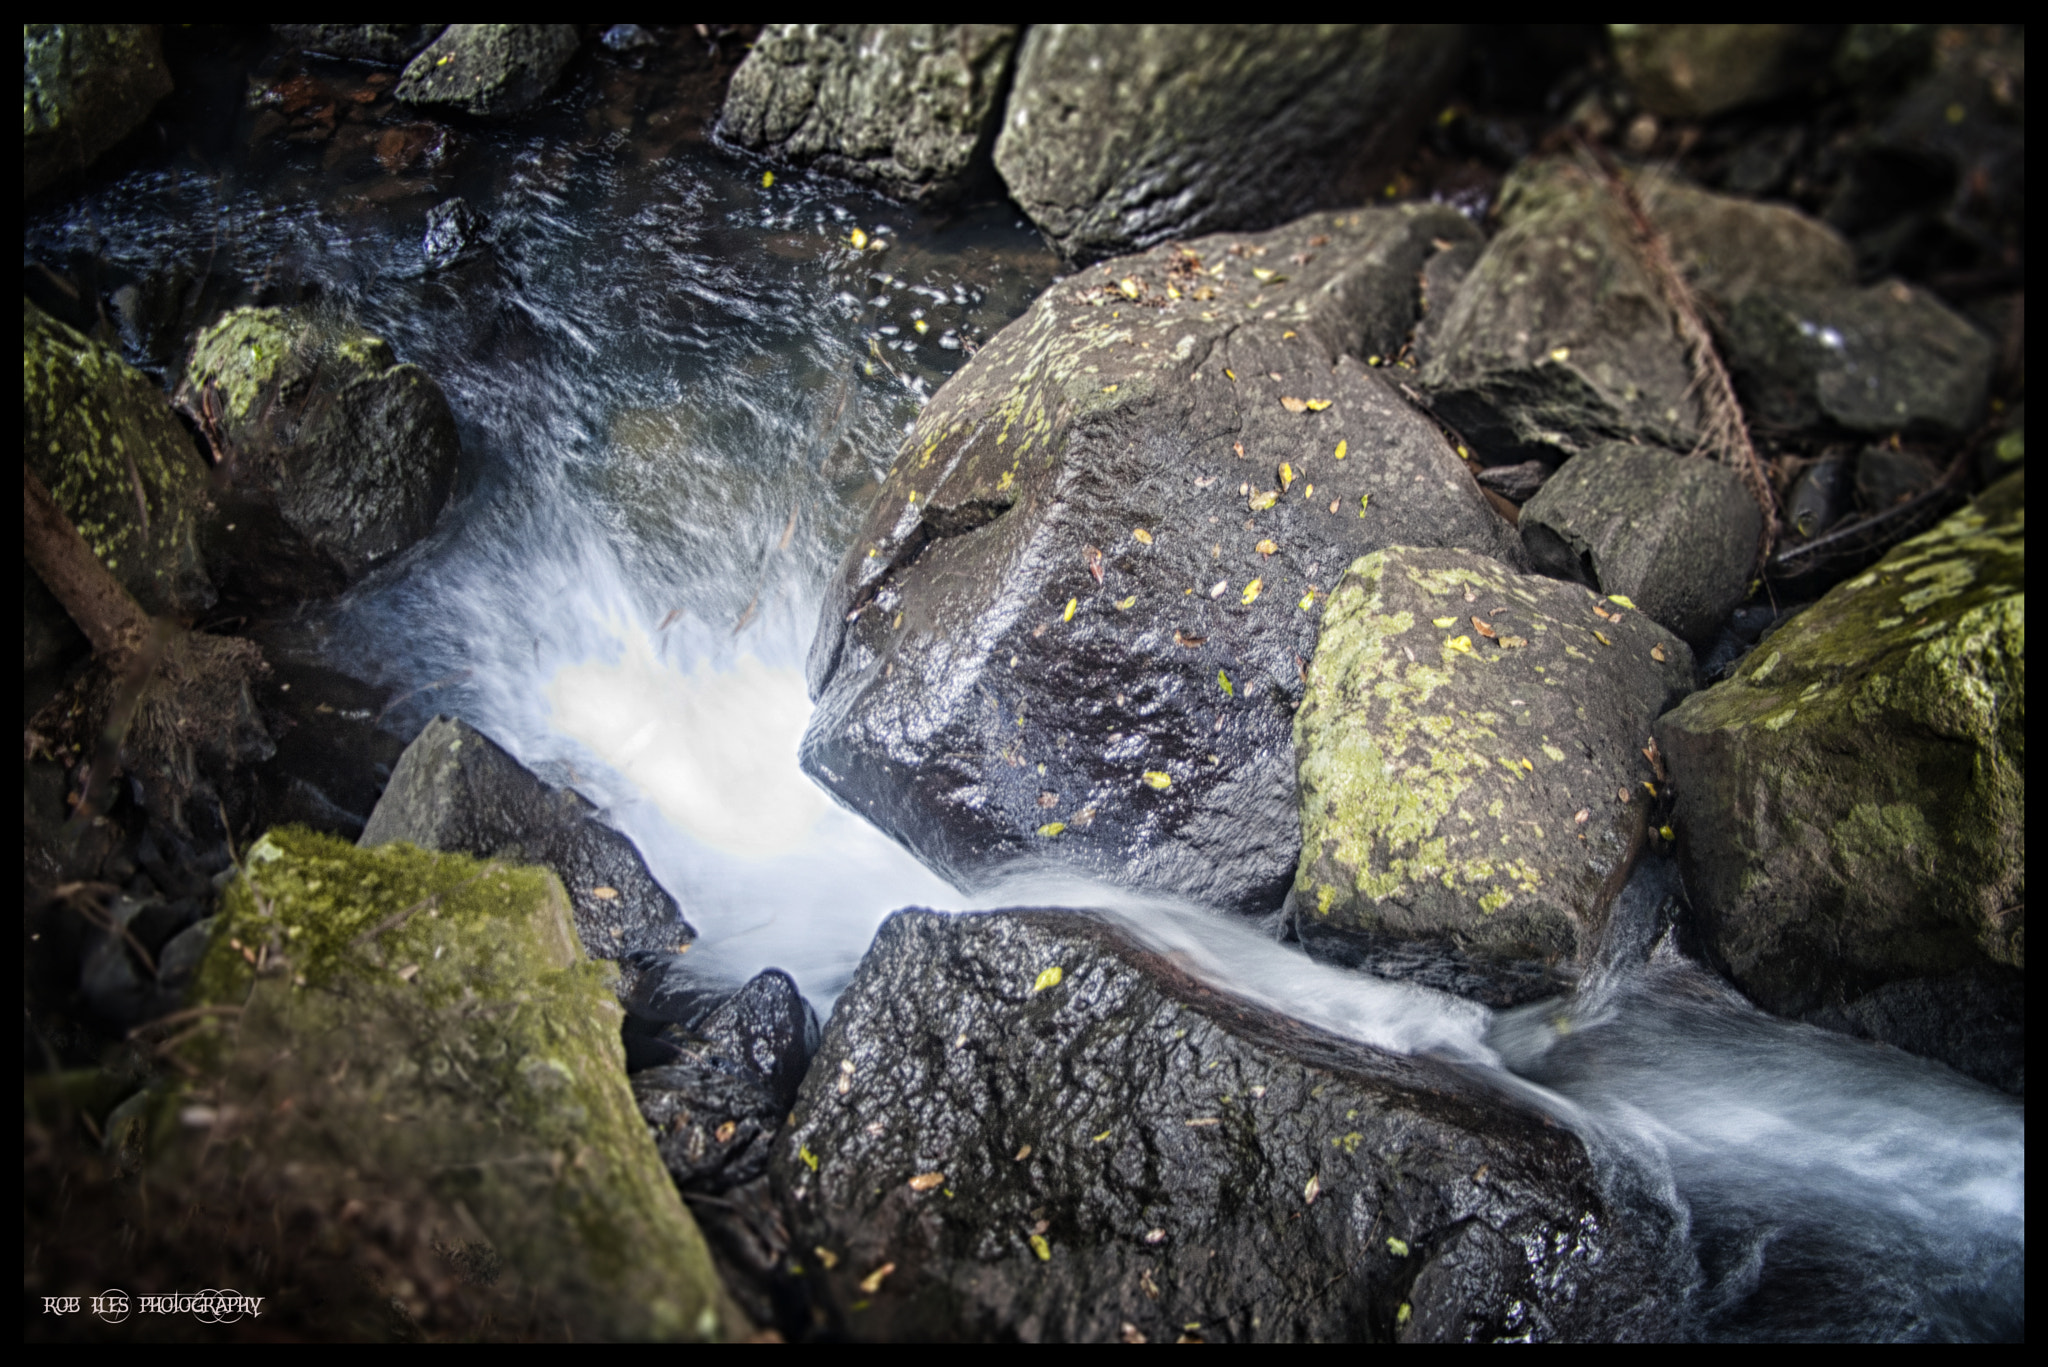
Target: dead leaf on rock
{"x": 1582, "y": 816}
{"x": 873, "y": 1281}
{"x": 925, "y": 1181}
{"x": 1094, "y": 555}
{"x": 1181, "y": 638}
{"x": 1657, "y": 654}
{"x": 1048, "y": 799}
{"x": 1479, "y": 625}
{"x": 1268, "y": 546}
{"x": 1292, "y": 404}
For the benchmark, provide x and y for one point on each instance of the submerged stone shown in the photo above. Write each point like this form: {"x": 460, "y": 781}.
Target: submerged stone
{"x": 419, "y": 1033}
{"x": 489, "y": 70}
{"x": 1851, "y": 806}
{"x": 1072, "y": 630}
{"x": 1471, "y": 760}
{"x": 909, "y": 109}
{"x": 102, "y": 439}
{"x": 84, "y": 87}
{"x": 1024, "y": 1126}
{"x": 335, "y": 457}
{"x": 1677, "y": 536}
{"x": 454, "y": 789}
{"x": 1117, "y": 136}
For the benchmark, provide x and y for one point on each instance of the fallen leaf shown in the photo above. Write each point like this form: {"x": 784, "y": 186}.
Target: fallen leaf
{"x": 1041, "y": 1248}
{"x": 1124, "y": 604}
{"x": 767, "y": 179}
{"x": 1462, "y": 644}
{"x": 1216, "y": 589}
{"x": 1073, "y": 606}
{"x": 1561, "y": 354}
{"x": 1317, "y": 405}
{"x": 1623, "y": 600}
{"x": 1333, "y": 505}
{"x": 1158, "y": 779}
{"x": 1239, "y": 448}
{"x": 925, "y": 1181}
{"x": 604, "y": 894}
{"x": 1319, "y": 240}
{"x": 1602, "y": 613}
{"x": 1513, "y": 642}
{"x": 1470, "y": 596}
{"x": 1528, "y": 766}
{"x": 1094, "y": 556}
{"x": 1223, "y": 681}
{"x": 1479, "y": 625}
{"x": 1144, "y": 537}
{"x": 1621, "y": 793}
{"x": 873, "y": 1281}
{"x": 1651, "y": 786}
{"x": 1267, "y": 276}
{"x": 1262, "y": 501}
{"x": 1048, "y": 799}
{"x": 1233, "y": 378}
{"x": 1312, "y": 1190}
{"x": 1364, "y": 502}
{"x": 1657, "y": 654}
{"x": 1404, "y": 1314}
{"x": 724, "y": 1133}
{"x": 923, "y": 327}
{"x": 1582, "y": 816}
{"x": 1267, "y": 547}
{"x": 1308, "y": 600}
{"x": 1292, "y": 404}
{"x": 1343, "y": 449}
{"x": 1251, "y": 591}
{"x": 1181, "y": 638}
{"x": 1023, "y": 1153}
{"x": 1667, "y": 833}
{"x": 810, "y": 1160}
{"x": 1601, "y": 637}
{"x": 1048, "y": 978}
{"x": 1480, "y": 1176}
{"x": 1286, "y": 475}
{"x": 1397, "y": 1247}
{"x": 1131, "y": 288}
{"x": 827, "y": 1257}
{"x": 858, "y": 238}
{"x": 1052, "y": 828}
{"x": 1443, "y": 621}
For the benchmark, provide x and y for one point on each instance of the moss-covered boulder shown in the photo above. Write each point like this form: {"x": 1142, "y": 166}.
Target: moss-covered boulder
{"x": 488, "y": 70}
{"x": 1117, "y": 136}
{"x": 84, "y": 87}
{"x": 1071, "y": 630}
{"x": 102, "y": 439}
{"x": 393, "y": 1030}
{"x": 909, "y": 109}
{"x": 1851, "y": 806}
{"x": 1471, "y": 760}
{"x": 334, "y": 457}
{"x": 1690, "y": 71}
{"x": 1029, "y": 1126}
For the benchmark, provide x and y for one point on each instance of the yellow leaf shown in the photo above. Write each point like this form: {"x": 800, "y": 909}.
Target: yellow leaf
{"x": 1622, "y": 599}
{"x": 1601, "y": 637}
{"x": 1097, "y": 1139}
{"x": 1561, "y": 354}
{"x": 1052, "y": 828}
{"x": 1530, "y": 767}
{"x": 1041, "y": 1248}
{"x": 1364, "y": 502}
{"x": 1263, "y": 273}
{"x": 1144, "y": 537}
{"x": 1443, "y": 621}
{"x": 1286, "y": 475}
{"x": 1262, "y": 501}
{"x": 1048, "y": 978}
{"x": 913, "y": 497}
{"x": 1312, "y": 1190}
{"x": 1158, "y": 779}
{"x": 1343, "y": 449}
{"x": 858, "y": 238}
{"x": 873, "y": 1281}
{"x": 767, "y": 179}
{"x": 1073, "y": 606}
{"x": 1372, "y": 360}
{"x": 1223, "y": 680}
{"x": 1124, "y": 604}
{"x": 1267, "y": 547}
{"x": 1285, "y": 335}
{"x": 1667, "y": 833}
{"x": 827, "y": 1257}
{"x": 1651, "y": 786}
{"x": 604, "y": 894}
{"x": 810, "y": 1159}
{"x": 1003, "y": 481}
{"x": 1130, "y": 287}
{"x": 925, "y": 1181}
{"x": 921, "y": 325}
{"x": 1292, "y": 404}
{"x": 1657, "y": 654}
{"x": 1251, "y": 590}
{"x": 1229, "y": 372}
{"x": 1397, "y": 1247}
{"x": 1404, "y": 1314}
{"x": 1462, "y": 644}
{"x": 1308, "y": 600}
{"x": 1317, "y": 405}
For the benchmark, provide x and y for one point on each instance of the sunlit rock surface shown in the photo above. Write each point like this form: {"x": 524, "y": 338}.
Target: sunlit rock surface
{"x": 455, "y": 790}
{"x": 909, "y": 109}
{"x": 1851, "y": 806}
{"x": 1117, "y": 136}
{"x": 1024, "y": 1126}
{"x": 100, "y": 436}
{"x": 335, "y": 457}
{"x": 84, "y": 87}
{"x": 419, "y": 1034}
{"x": 1470, "y": 756}
{"x": 489, "y": 70}
{"x": 1073, "y": 627}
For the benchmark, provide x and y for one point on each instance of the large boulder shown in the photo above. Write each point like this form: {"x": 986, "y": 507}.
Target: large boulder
{"x": 100, "y": 436}
{"x": 84, "y": 87}
{"x": 909, "y": 109}
{"x": 1023, "y": 1125}
{"x": 1677, "y": 536}
{"x": 1471, "y": 759}
{"x": 488, "y": 70}
{"x": 1851, "y": 806}
{"x": 455, "y": 790}
{"x": 334, "y": 456}
{"x": 1690, "y": 71}
{"x": 402, "y": 1031}
{"x": 1073, "y": 627}
{"x": 1117, "y": 136}
{"x": 1729, "y": 247}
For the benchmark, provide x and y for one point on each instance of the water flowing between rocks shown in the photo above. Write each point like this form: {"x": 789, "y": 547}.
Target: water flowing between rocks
{"x": 676, "y": 388}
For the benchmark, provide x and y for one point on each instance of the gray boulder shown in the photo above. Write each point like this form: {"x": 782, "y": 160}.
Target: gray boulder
{"x": 909, "y": 109}
{"x": 1729, "y": 247}
{"x": 335, "y": 457}
{"x": 1117, "y": 136}
{"x": 1471, "y": 760}
{"x": 454, "y": 790}
{"x": 1023, "y": 1125}
{"x": 488, "y": 70}
{"x": 1072, "y": 630}
{"x": 84, "y": 87}
{"x": 1851, "y": 806}
{"x": 381, "y": 44}
{"x": 1675, "y": 535}
{"x": 1887, "y": 358}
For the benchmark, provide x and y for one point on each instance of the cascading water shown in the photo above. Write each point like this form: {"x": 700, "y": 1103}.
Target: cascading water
{"x": 675, "y": 388}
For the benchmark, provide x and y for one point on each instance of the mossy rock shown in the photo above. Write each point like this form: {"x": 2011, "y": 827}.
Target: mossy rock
{"x": 394, "y": 1026}
{"x": 103, "y": 440}
{"x": 488, "y": 70}
{"x": 1478, "y": 788}
{"x": 84, "y": 87}
{"x": 1851, "y": 806}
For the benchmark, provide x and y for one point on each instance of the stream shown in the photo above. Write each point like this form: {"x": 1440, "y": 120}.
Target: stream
{"x": 676, "y": 388}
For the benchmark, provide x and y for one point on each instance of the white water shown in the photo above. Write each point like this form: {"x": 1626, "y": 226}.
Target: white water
{"x": 670, "y": 424}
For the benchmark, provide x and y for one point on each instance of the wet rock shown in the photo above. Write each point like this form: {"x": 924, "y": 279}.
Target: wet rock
{"x": 628, "y": 38}
{"x": 1821, "y": 495}
{"x": 1691, "y": 71}
{"x": 1560, "y": 338}
{"x": 766, "y": 1029}
{"x": 714, "y": 1127}
{"x": 987, "y": 1150}
{"x": 1478, "y": 785}
{"x": 1851, "y": 807}
{"x": 334, "y": 456}
{"x": 488, "y": 70}
{"x": 455, "y": 233}
{"x": 909, "y": 109}
{"x": 454, "y": 789}
{"x": 1888, "y": 358}
{"x": 1976, "y": 1022}
{"x": 381, "y": 44}
{"x": 1072, "y": 630}
{"x": 1517, "y": 483}
{"x": 1729, "y": 247}
{"x": 100, "y": 436}
{"x": 450, "y": 1053}
{"x": 334, "y": 756}
{"x": 1886, "y": 477}
{"x": 1119, "y": 136}
{"x": 1675, "y": 535}
{"x": 84, "y": 87}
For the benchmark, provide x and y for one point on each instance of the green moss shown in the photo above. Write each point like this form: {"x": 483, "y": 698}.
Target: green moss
{"x": 241, "y": 355}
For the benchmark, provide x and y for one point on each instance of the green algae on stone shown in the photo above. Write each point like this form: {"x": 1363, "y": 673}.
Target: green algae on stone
{"x": 104, "y": 441}
{"x": 1479, "y": 791}
{"x": 1851, "y": 805}
{"x": 423, "y": 1028}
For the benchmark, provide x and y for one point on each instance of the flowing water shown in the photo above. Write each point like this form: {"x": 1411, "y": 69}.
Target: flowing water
{"x": 676, "y": 387}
